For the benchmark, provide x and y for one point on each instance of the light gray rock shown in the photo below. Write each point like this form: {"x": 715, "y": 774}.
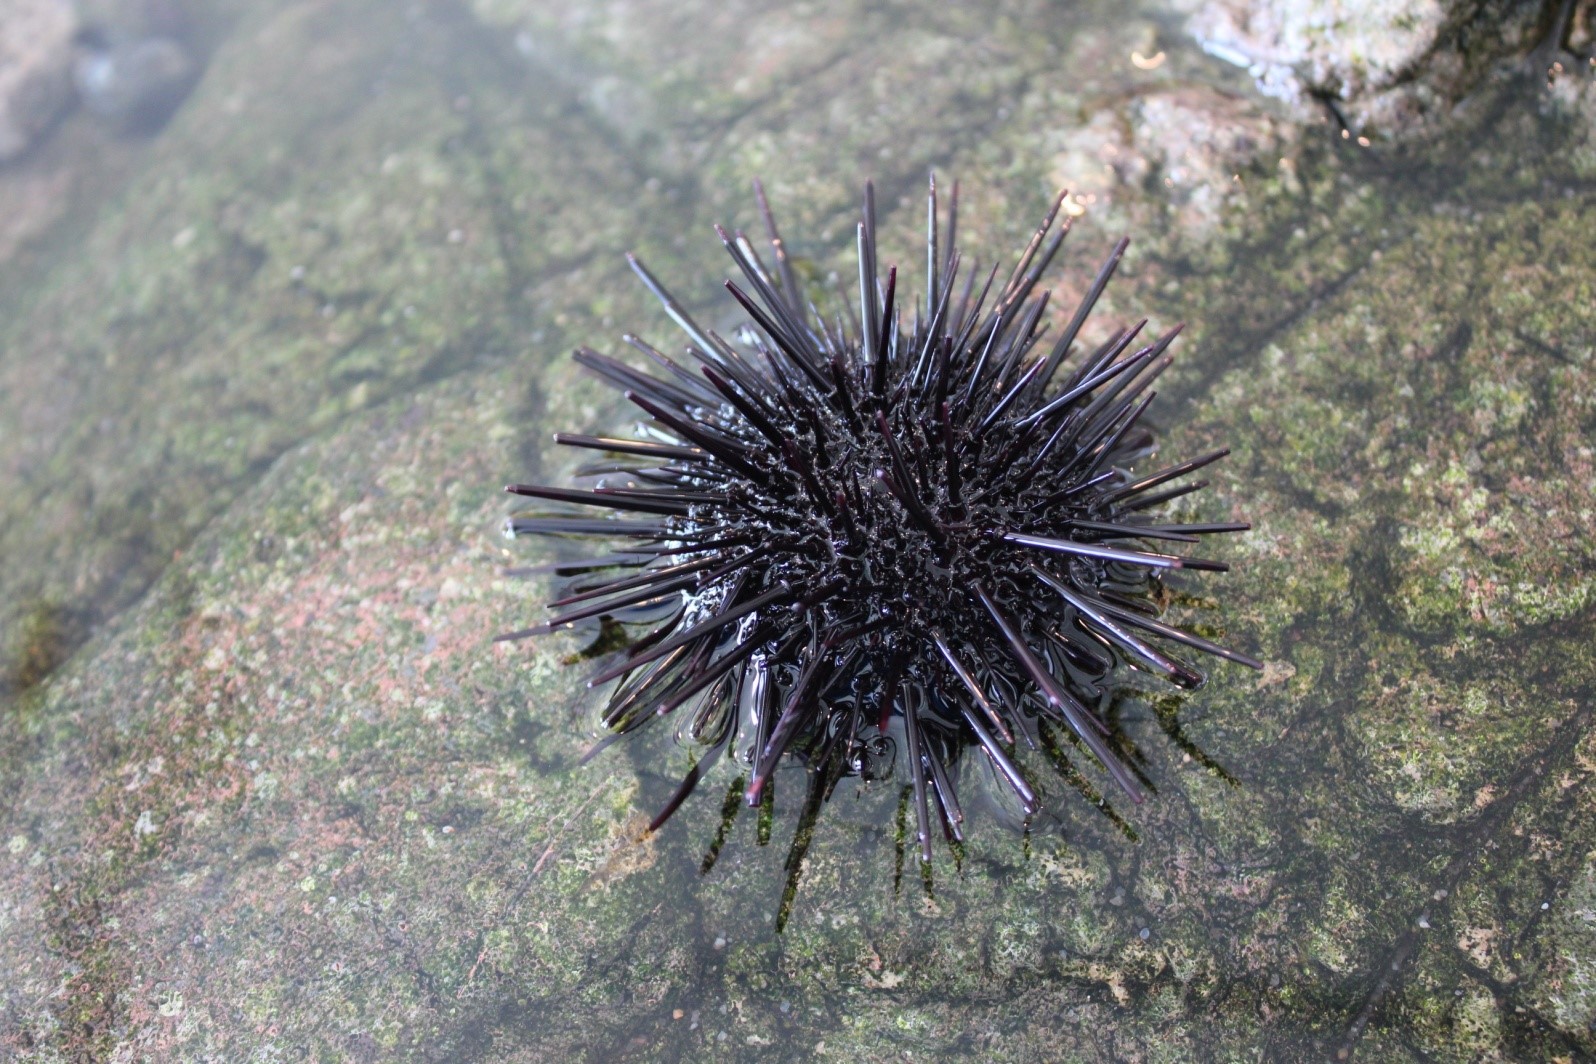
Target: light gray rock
{"x": 35, "y": 59}
{"x": 1387, "y": 66}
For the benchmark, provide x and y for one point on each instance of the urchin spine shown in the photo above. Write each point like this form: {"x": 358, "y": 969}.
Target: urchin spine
{"x": 841, "y": 522}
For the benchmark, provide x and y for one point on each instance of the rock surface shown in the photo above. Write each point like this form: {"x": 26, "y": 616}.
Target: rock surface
{"x": 35, "y": 65}
{"x": 270, "y": 791}
{"x": 1385, "y": 67}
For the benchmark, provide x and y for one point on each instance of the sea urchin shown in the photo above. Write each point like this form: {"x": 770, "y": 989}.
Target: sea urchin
{"x": 848, "y": 527}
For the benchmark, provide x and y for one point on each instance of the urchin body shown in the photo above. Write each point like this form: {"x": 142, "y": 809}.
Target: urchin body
{"x": 930, "y": 522}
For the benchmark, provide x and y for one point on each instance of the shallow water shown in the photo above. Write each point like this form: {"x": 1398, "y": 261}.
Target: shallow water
{"x": 271, "y": 791}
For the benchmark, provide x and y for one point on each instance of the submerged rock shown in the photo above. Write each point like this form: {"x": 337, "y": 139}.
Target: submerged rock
{"x": 288, "y": 801}
{"x": 133, "y": 84}
{"x": 35, "y": 56}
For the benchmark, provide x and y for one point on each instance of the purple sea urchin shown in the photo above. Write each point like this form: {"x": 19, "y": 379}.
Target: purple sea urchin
{"x": 840, "y": 528}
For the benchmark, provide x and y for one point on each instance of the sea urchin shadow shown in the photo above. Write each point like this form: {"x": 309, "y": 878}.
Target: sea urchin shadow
{"x": 873, "y": 539}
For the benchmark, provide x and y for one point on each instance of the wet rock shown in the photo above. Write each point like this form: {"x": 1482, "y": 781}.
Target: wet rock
{"x": 1571, "y": 98}
{"x": 1386, "y": 68}
{"x": 133, "y": 84}
{"x": 1181, "y": 147}
{"x": 240, "y": 272}
{"x": 29, "y": 204}
{"x": 137, "y": 60}
{"x": 1565, "y": 935}
{"x": 289, "y": 799}
{"x": 35, "y": 59}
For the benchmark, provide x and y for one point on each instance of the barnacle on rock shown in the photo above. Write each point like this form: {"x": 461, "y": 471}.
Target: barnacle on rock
{"x": 845, "y": 534}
